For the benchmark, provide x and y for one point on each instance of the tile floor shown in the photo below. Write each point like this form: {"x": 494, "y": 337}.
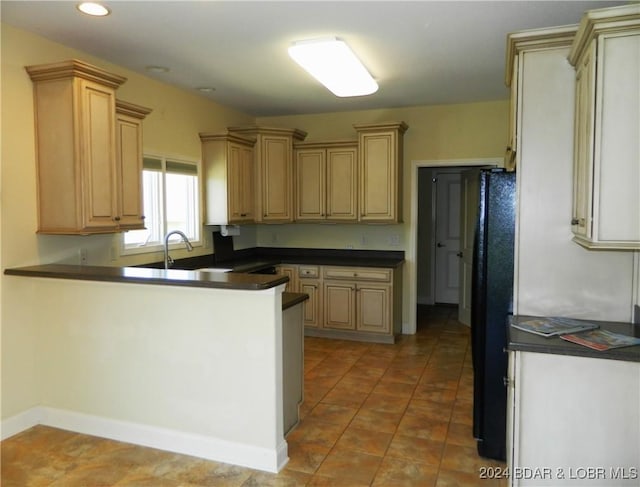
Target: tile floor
{"x": 373, "y": 415}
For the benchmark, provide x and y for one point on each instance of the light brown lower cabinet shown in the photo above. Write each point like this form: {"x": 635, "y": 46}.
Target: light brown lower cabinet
{"x": 354, "y": 303}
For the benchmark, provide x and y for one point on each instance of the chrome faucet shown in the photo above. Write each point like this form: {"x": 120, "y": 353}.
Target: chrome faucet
{"x": 168, "y": 260}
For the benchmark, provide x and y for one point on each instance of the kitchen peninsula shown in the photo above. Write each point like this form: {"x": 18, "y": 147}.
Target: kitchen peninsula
{"x": 185, "y": 361}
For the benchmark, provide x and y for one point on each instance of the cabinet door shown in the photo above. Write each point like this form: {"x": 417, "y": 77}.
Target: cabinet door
{"x": 616, "y": 173}
{"x": 313, "y": 305}
{"x": 310, "y": 184}
{"x": 129, "y": 171}
{"x": 240, "y": 184}
{"x": 291, "y": 271}
{"x": 374, "y": 308}
{"x": 342, "y": 184}
{"x": 339, "y": 305}
{"x": 583, "y": 144}
{"x": 99, "y": 156}
{"x": 276, "y": 178}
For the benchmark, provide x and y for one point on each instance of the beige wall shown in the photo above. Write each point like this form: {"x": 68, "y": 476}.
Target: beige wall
{"x": 171, "y": 129}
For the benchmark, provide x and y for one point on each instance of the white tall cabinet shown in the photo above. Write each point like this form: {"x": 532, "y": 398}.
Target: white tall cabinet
{"x": 606, "y": 56}
{"x": 555, "y": 276}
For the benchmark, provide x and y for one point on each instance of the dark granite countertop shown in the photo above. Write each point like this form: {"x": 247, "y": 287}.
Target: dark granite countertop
{"x": 142, "y": 275}
{"x": 530, "y": 342}
{"x": 291, "y": 299}
{"x": 252, "y": 259}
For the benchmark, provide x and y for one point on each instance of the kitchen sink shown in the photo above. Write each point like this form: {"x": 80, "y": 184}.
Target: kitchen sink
{"x": 215, "y": 269}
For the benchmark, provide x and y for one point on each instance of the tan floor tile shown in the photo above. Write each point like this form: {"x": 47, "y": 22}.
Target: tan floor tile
{"x": 461, "y": 434}
{"x": 386, "y": 422}
{"x": 386, "y": 403}
{"x": 318, "y": 432}
{"x": 322, "y": 481}
{"x": 350, "y": 465}
{"x": 341, "y": 396}
{"x": 406, "y": 375}
{"x": 434, "y": 394}
{"x": 396, "y": 389}
{"x": 463, "y": 412}
{"x": 429, "y": 410}
{"x": 365, "y": 441}
{"x": 331, "y": 413}
{"x": 416, "y": 449}
{"x": 364, "y": 372}
{"x": 423, "y": 427}
{"x": 397, "y": 471}
{"x": 95, "y": 475}
{"x": 359, "y": 384}
{"x": 306, "y": 457}
{"x": 283, "y": 479}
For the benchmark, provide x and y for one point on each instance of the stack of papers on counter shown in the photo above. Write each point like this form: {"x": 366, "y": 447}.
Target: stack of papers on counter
{"x": 553, "y": 326}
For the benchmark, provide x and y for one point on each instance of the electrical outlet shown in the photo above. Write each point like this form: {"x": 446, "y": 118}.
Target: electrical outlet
{"x": 274, "y": 237}
{"x": 114, "y": 253}
{"x": 82, "y": 254}
{"x": 348, "y": 247}
{"x": 394, "y": 240}
{"x": 363, "y": 240}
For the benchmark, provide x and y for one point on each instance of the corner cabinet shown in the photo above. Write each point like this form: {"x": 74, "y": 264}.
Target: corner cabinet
{"x": 229, "y": 174}
{"x": 273, "y": 154}
{"x": 75, "y": 115}
{"x": 606, "y": 57}
{"x": 326, "y": 181}
{"x": 129, "y": 119}
{"x": 380, "y": 160}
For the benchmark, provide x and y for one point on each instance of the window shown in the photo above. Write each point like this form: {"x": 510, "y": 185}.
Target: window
{"x": 171, "y": 202}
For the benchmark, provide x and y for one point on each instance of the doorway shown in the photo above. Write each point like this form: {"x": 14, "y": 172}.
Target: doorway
{"x": 423, "y": 247}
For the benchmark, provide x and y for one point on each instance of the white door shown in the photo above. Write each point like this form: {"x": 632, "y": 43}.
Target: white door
{"x": 447, "y": 237}
{"x": 469, "y": 187}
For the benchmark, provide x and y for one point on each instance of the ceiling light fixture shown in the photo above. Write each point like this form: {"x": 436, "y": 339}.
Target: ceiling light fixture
{"x": 94, "y": 9}
{"x": 157, "y": 69}
{"x": 334, "y": 64}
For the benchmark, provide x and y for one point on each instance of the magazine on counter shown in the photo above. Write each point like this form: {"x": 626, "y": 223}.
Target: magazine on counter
{"x": 553, "y": 326}
{"x": 601, "y": 339}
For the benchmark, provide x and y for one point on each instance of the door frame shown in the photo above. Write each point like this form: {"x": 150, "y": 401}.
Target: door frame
{"x": 411, "y": 260}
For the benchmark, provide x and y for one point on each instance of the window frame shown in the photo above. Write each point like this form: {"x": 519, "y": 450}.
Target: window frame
{"x": 159, "y": 247}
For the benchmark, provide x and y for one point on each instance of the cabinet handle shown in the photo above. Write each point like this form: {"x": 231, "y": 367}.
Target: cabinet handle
{"x": 117, "y": 218}
{"x": 574, "y": 221}
{"x": 243, "y": 214}
{"x": 142, "y": 217}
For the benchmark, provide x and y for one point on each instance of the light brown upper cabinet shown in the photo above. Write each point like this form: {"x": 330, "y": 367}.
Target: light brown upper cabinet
{"x": 129, "y": 119}
{"x": 75, "y": 115}
{"x": 326, "y": 181}
{"x": 380, "y": 162}
{"x": 274, "y": 191}
{"x": 229, "y": 173}
{"x": 606, "y": 56}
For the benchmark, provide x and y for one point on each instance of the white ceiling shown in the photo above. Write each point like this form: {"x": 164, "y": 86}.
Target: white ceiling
{"x": 420, "y": 52}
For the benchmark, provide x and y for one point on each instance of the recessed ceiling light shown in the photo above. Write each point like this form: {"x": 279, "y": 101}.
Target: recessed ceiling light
{"x": 157, "y": 69}
{"x": 334, "y": 64}
{"x": 94, "y": 9}
{"x": 206, "y": 89}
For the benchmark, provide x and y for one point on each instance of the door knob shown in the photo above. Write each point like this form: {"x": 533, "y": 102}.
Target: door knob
{"x": 440, "y": 244}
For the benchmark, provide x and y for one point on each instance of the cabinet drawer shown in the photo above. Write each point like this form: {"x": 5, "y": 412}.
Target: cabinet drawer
{"x": 310, "y": 271}
{"x": 359, "y": 273}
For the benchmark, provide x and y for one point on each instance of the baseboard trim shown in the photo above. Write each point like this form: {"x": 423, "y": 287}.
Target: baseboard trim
{"x": 151, "y": 436}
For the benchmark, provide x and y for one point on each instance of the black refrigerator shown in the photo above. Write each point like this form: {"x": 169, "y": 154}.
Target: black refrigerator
{"x": 491, "y": 304}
